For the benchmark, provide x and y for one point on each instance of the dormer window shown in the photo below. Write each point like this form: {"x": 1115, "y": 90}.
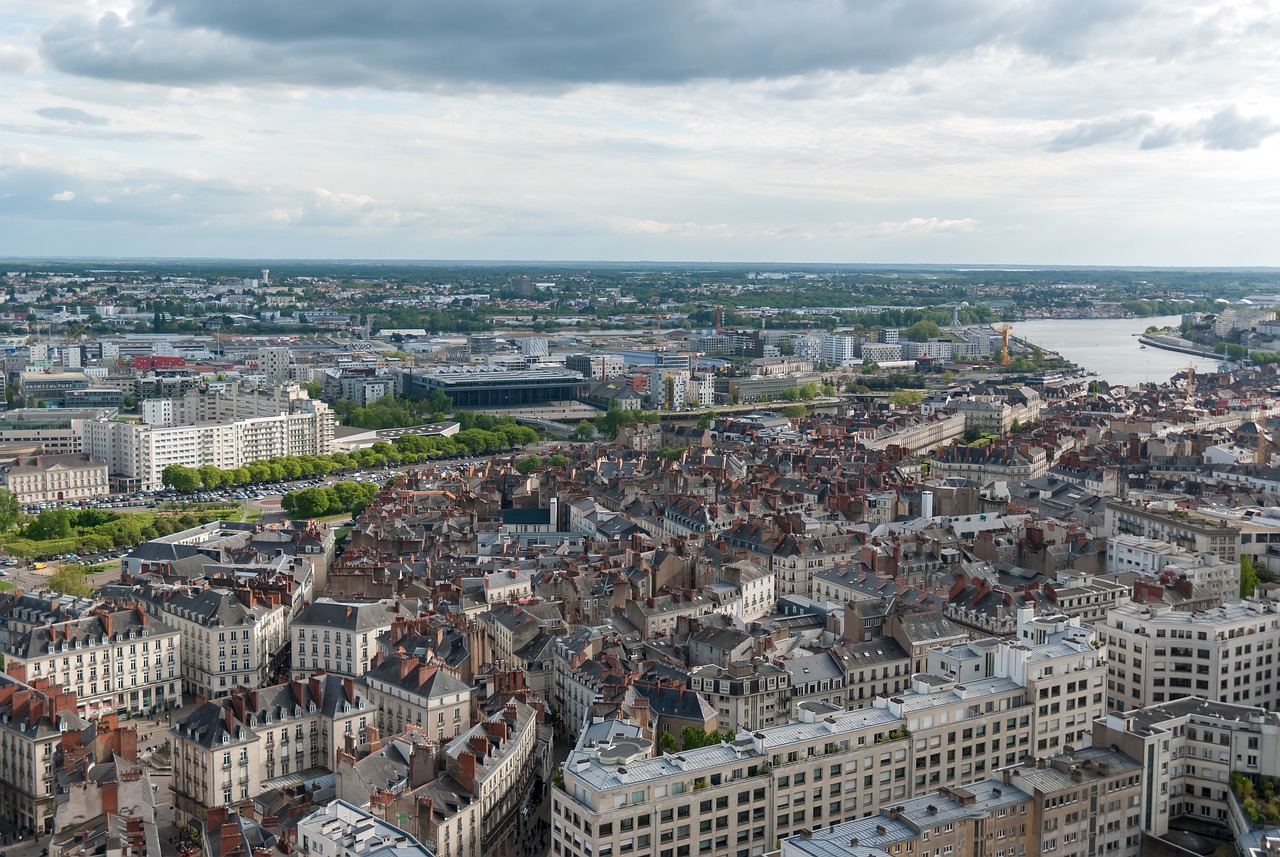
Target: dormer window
{"x": 226, "y": 737}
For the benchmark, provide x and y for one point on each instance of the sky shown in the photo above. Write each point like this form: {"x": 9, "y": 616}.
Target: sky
{"x": 1040, "y": 132}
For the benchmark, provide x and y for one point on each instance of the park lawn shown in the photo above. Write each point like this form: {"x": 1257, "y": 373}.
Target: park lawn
{"x": 6, "y": 586}
{"x": 252, "y": 514}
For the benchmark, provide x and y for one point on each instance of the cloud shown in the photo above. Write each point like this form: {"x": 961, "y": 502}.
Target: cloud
{"x": 71, "y": 114}
{"x": 63, "y": 196}
{"x": 925, "y": 226}
{"x": 16, "y": 60}
{"x": 633, "y": 226}
{"x": 1226, "y": 130}
{"x": 555, "y": 43}
{"x": 1100, "y": 131}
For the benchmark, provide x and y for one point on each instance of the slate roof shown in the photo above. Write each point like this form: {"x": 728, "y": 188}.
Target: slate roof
{"x": 232, "y": 715}
{"x": 348, "y": 615}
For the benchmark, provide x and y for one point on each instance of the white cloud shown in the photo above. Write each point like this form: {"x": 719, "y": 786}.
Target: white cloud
{"x": 925, "y": 226}
{"x": 63, "y": 196}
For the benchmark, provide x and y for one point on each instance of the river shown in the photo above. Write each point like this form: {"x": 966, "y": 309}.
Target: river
{"x": 1110, "y": 348}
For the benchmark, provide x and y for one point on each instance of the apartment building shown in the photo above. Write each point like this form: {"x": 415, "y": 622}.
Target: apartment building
{"x": 729, "y": 797}
{"x": 747, "y": 696}
{"x": 1227, "y": 653}
{"x": 496, "y": 762}
{"x": 121, "y": 660}
{"x": 230, "y": 639}
{"x": 1179, "y": 527}
{"x": 797, "y": 558}
{"x": 1190, "y": 748}
{"x": 411, "y": 691}
{"x": 137, "y": 453}
{"x": 1060, "y": 805}
{"x": 32, "y": 719}
{"x": 232, "y": 749}
{"x": 340, "y": 637}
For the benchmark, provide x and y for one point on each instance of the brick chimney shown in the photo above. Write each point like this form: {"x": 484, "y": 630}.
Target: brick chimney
{"x": 467, "y": 771}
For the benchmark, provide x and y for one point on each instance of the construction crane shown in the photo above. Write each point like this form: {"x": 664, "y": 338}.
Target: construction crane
{"x": 1004, "y": 330}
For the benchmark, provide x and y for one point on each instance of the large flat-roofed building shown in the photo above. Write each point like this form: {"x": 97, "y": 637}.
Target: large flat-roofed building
{"x": 498, "y": 388}
{"x": 1159, "y": 654}
{"x": 49, "y": 388}
{"x": 1180, "y": 527}
{"x": 56, "y": 430}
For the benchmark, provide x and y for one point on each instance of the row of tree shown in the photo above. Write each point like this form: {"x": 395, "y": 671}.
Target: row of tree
{"x": 350, "y": 497}
{"x": 408, "y": 449}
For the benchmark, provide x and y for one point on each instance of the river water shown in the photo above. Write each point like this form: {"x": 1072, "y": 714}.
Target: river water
{"x": 1110, "y": 348}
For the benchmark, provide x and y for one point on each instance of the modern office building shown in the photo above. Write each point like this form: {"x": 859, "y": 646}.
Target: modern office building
{"x": 471, "y": 387}
{"x": 1226, "y": 653}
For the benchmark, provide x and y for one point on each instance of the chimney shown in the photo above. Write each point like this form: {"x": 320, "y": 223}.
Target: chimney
{"x": 467, "y": 771}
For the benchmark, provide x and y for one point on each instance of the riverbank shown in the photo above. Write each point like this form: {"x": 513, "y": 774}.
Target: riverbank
{"x": 1111, "y": 348}
{"x": 1163, "y": 343}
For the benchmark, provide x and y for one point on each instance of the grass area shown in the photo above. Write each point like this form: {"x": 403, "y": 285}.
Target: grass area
{"x": 341, "y": 533}
{"x": 252, "y": 514}
{"x": 333, "y": 519}
{"x": 6, "y": 586}
{"x": 62, "y": 531}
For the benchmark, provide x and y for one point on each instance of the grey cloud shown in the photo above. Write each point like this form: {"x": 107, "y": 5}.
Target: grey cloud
{"x": 1100, "y": 131}
{"x": 70, "y": 114}
{"x": 1226, "y": 130}
{"x": 553, "y": 43}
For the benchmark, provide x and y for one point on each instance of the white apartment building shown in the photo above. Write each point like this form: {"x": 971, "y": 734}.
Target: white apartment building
{"x": 137, "y": 454}
{"x": 227, "y": 751}
{"x": 112, "y": 661}
{"x": 1167, "y": 522}
{"x": 225, "y": 643}
{"x": 1227, "y": 654}
{"x": 840, "y": 350}
{"x": 339, "y": 637}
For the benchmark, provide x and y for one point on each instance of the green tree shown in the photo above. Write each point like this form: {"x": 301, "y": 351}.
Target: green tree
{"x": 704, "y": 420}
{"x": 1248, "y": 577}
{"x": 923, "y": 330}
{"x": 786, "y": 347}
{"x": 557, "y": 460}
{"x": 10, "y": 510}
{"x": 972, "y": 434}
{"x": 314, "y": 389}
{"x": 528, "y": 464}
{"x": 1015, "y": 427}
{"x": 808, "y": 391}
{"x": 667, "y": 743}
{"x": 584, "y": 431}
{"x": 793, "y": 412}
{"x": 69, "y": 580}
{"x": 439, "y": 402}
{"x": 906, "y": 398}
{"x": 179, "y": 478}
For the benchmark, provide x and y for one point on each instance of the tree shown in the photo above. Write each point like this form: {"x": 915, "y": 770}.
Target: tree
{"x": 905, "y": 398}
{"x": 439, "y": 402}
{"x": 584, "y": 431}
{"x": 808, "y": 391}
{"x": 667, "y": 743}
{"x": 210, "y": 476}
{"x": 528, "y": 464}
{"x": 179, "y": 478}
{"x": 793, "y": 412}
{"x": 10, "y": 510}
{"x": 704, "y": 420}
{"x": 869, "y": 366}
{"x": 1248, "y": 577}
{"x": 786, "y": 347}
{"x": 923, "y": 330}
{"x": 314, "y": 389}
{"x": 1015, "y": 427}
{"x": 557, "y": 460}
{"x": 972, "y": 434}
{"x": 69, "y": 580}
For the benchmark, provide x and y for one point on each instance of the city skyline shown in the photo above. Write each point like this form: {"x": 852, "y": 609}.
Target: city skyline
{"x": 1060, "y": 134}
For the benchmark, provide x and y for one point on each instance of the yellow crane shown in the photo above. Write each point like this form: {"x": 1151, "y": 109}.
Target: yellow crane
{"x": 1004, "y": 330}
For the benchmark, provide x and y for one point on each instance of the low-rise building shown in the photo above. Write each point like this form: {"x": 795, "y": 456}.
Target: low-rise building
{"x": 342, "y": 830}
{"x": 55, "y": 478}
